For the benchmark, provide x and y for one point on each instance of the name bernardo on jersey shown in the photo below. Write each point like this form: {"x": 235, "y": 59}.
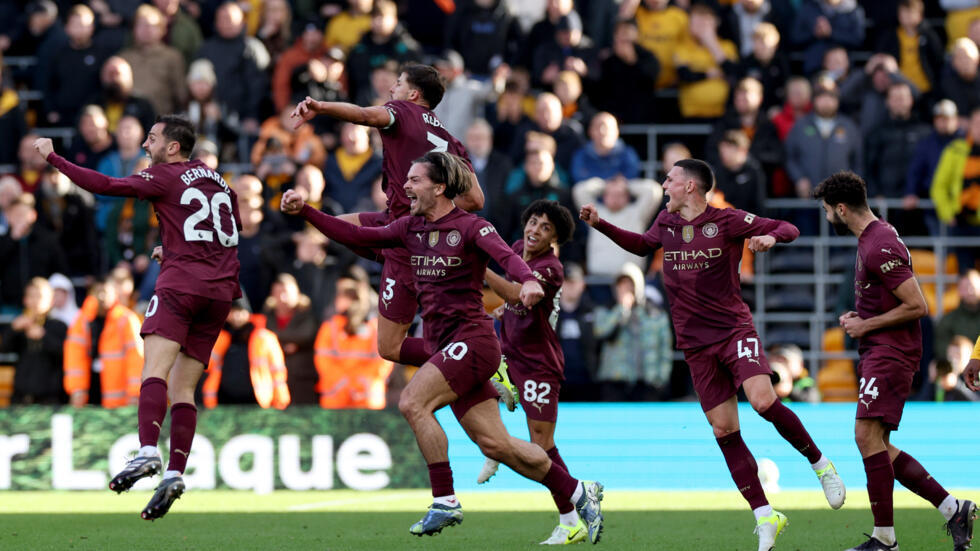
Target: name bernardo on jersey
{"x": 192, "y": 174}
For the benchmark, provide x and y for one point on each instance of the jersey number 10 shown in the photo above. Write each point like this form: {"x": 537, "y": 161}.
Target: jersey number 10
{"x": 210, "y": 208}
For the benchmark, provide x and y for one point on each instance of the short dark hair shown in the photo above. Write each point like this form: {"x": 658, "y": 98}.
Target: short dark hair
{"x": 427, "y": 80}
{"x": 844, "y": 187}
{"x": 448, "y": 169}
{"x": 179, "y": 129}
{"x": 699, "y": 171}
{"x": 559, "y": 216}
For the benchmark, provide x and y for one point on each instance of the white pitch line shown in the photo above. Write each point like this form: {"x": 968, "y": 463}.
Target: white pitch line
{"x": 350, "y": 501}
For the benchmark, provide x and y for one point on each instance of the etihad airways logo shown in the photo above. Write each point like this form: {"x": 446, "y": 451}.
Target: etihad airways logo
{"x": 443, "y": 261}
{"x": 687, "y": 256}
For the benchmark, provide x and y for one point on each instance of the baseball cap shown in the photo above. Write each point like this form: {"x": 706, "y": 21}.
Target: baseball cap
{"x": 944, "y": 108}
{"x": 570, "y": 22}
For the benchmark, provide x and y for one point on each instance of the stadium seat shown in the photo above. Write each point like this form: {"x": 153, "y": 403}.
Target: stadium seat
{"x": 6, "y": 384}
{"x": 836, "y": 379}
{"x": 788, "y": 334}
{"x": 924, "y": 264}
{"x": 790, "y": 299}
{"x": 792, "y": 261}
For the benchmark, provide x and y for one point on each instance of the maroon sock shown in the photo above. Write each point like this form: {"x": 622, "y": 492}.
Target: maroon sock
{"x": 564, "y": 505}
{"x": 441, "y": 479}
{"x": 913, "y": 476}
{"x": 744, "y": 470}
{"x": 881, "y": 483}
{"x": 152, "y": 409}
{"x": 561, "y": 484}
{"x": 183, "y": 422}
{"x": 788, "y": 426}
{"x": 413, "y": 352}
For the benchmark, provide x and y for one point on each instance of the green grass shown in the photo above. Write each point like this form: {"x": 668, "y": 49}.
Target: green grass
{"x": 379, "y": 521}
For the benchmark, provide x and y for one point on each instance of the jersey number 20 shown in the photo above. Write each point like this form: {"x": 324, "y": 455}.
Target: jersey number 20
{"x": 212, "y": 208}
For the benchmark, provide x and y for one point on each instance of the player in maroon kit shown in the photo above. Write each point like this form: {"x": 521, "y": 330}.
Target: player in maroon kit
{"x": 408, "y": 130}
{"x": 198, "y": 279}
{"x": 702, "y": 251}
{"x": 449, "y": 250}
{"x": 889, "y": 304}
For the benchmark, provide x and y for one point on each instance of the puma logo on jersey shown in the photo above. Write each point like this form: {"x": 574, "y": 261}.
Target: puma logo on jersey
{"x": 537, "y": 405}
{"x": 866, "y": 404}
{"x": 753, "y": 360}
{"x": 886, "y": 251}
{"x": 671, "y": 230}
{"x": 419, "y": 235}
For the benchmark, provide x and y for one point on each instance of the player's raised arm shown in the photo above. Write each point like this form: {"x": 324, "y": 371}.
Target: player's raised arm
{"x": 377, "y": 116}
{"x": 491, "y": 243}
{"x": 762, "y": 232}
{"x": 338, "y": 230}
{"x": 508, "y": 290}
{"x": 88, "y": 179}
{"x": 629, "y": 241}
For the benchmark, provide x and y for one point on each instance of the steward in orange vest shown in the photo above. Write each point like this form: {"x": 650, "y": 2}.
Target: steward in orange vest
{"x": 247, "y": 365}
{"x": 109, "y": 373}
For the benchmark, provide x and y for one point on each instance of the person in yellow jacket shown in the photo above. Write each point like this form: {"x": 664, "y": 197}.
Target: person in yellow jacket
{"x": 956, "y": 189}
{"x": 973, "y": 368}
{"x": 247, "y": 364}
{"x": 103, "y": 353}
{"x": 352, "y": 373}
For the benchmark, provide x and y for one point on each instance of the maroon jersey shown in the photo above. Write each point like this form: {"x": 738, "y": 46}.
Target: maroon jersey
{"x": 701, "y": 261}
{"x": 198, "y": 216}
{"x": 527, "y": 336}
{"x": 449, "y": 258}
{"x": 883, "y": 263}
{"x": 414, "y": 132}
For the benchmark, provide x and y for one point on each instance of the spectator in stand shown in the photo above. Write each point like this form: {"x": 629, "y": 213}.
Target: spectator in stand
{"x": 247, "y": 364}
{"x": 183, "y": 32}
{"x": 949, "y": 386}
{"x": 959, "y": 14}
{"x": 605, "y": 155}
{"x": 116, "y": 97}
{"x": 630, "y": 202}
{"x": 13, "y": 125}
{"x": 73, "y": 71}
{"x": 103, "y": 351}
{"x": 867, "y": 91}
{"x": 259, "y": 240}
{"x": 276, "y": 170}
{"x": 749, "y": 14}
{"x": 63, "y": 305}
{"x": 636, "y": 355}
{"x": 956, "y": 189}
{"x": 766, "y": 63}
{"x": 96, "y": 142}
{"x": 673, "y": 152}
{"x": 575, "y": 106}
{"x": 569, "y": 51}
{"x": 626, "y": 62}
{"x": 575, "y": 331}
{"x": 507, "y": 117}
{"x": 798, "y": 95}
{"x": 240, "y": 83}
{"x": 822, "y": 143}
{"x": 299, "y": 145}
{"x": 485, "y": 34}
{"x": 44, "y": 38}
{"x": 543, "y": 30}
{"x": 915, "y": 45}
{"x": 68, "y": 212}
{"x": 890, "y": 147}
{"x": 548, "y": 119}
{"x": 131, "y": 232}
{"x": 352, "y": 374}
{"x": 316, "y": 270}
{"x": 465, "y": 98}
{"x": 490, "y": 166}
{"x": 29, "y": 170}
{"x": 964, "y": 320}
{"x": 348, "y": 27}
{"x": 662, "y": 29}
{"x": 795, "y": 383}
{"x": 212, "y": 119}
{"x": 922, "y": 165}
{"x": 275, "y": 32}
{"x": 292, "y": 320}
{"x": 822, "y": 24}
{"x": 836, "y": 65}
{"x": 308, "y": 46}
{"x": 352, "y": 167}
{"x": 38, "y": 340}
{"x": 320, "y": 79}
{"x": 747, "y": 115}
{"x": 961, "y": 76}
{"x": 738, "y": 176}
{"x": 386, "y": 40}
{"x": 156, "y": 66}
{"x": 703, "y": 89}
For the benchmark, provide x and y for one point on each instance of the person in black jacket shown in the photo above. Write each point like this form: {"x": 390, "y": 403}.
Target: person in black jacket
{"x": 574, "y": 329}
{"x": 485, "y": 34}
{"x": 116, "y": 96}
{"x": 738, "y": 175}
{"x": 490, "y": 166}
{"x": 746, "y": 114}
{"x": 626, "y": 62}
{"x": 38, "y": 340}
{"x": 26, "y": 251}
{"x": 924, "y": 71}
{"x": 73, "y": 74}
{"x": 13, "y": 126}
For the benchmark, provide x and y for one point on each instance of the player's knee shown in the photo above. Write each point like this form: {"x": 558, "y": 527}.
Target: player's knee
{"x": 409, "y": 406}
{"x": 723, "y": 430}
{"x": 762, "y": 402}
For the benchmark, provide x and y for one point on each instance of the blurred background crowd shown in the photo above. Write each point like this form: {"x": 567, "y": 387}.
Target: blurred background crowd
{"x": 560, "y": 99}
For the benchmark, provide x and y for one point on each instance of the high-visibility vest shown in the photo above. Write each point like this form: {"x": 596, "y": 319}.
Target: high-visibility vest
{"x": 266, "y": 367}
{"x": 352, "y": 374}
{"x": 120, "y": 351}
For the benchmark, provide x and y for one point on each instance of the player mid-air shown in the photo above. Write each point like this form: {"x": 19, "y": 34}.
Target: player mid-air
{"x": 702, "y": 251}
{"x": 198, "y": 279}
{"x": 408, "y": 129}
{"x": 889, "y": 304}
{"x": 449, "y": 250}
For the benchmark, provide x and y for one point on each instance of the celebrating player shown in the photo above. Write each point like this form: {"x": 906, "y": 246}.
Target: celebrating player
{"x": 528, "y": 341}
{"x": 198, "y": 279}
{"x": 449, "y": 251}
{"x": 973, "y": 368}
{"x": 702, "y": 251}
{"x": 889, "y": 304}
{"x": 408, "y": 129}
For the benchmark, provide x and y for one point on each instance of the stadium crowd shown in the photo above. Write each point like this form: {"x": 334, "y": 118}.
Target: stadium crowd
{"x": 793, "y": 91}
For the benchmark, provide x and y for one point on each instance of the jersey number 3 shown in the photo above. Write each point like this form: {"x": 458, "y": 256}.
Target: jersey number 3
{"x": 210, "y": 208}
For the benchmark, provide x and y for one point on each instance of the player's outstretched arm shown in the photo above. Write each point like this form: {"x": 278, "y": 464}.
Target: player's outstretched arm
{"x": 87, "y": 179}
{"x": 490, "y": 241}
{"x": 747, "y": 225}
{"x": 508, "y": 290}
{"x": 377, "y": 116}
{"x": 629, "y": 241}
{"x": 338, "y": 230}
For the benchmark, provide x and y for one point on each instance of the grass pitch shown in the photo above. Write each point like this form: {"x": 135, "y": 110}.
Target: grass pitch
{"x": 378, "y": 521}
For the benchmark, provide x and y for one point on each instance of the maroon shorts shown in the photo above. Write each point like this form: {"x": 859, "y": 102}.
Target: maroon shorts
{"x": 467, "y": 364}
{"x": 884, "y": 385}
{"x": 720, "y": 368}
{"x": 397, "y": 297}
{"x": 192, "y": 321}
{"x": 538, "y": 390}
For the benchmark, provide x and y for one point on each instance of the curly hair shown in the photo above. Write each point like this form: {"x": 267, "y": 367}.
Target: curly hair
{"x": 559, "y": 216}
{"x": 844, "y": 187}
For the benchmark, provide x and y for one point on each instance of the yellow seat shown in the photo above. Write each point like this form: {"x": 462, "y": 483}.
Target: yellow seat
{"x": 924, "y": 264}
{"x": 836, "y": 379}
